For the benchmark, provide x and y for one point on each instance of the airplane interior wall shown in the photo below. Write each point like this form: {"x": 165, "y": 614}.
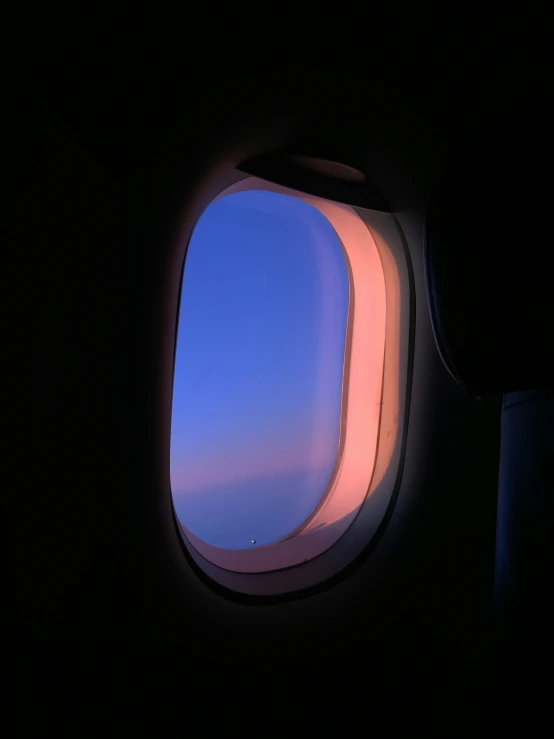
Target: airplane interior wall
{"x": 95, "y": 560}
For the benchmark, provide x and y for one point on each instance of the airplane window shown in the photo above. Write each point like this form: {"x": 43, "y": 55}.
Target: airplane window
{"x": 290, "y": 377}
{"x": 259, "y": 369}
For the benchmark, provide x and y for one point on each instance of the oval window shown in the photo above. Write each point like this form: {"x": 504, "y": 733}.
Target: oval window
{"x": 258, "y": 385}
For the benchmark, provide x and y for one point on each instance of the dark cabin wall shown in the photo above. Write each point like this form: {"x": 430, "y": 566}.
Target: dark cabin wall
{"x": 109, "y": 182}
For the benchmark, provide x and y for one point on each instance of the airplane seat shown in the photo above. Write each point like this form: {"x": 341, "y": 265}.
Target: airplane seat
{"x": 488, "y": 264}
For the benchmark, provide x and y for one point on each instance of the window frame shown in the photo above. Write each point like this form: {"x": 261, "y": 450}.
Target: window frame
{"x": 288, "y": 565}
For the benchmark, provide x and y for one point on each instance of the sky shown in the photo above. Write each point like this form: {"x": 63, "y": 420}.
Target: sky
{"x": 258, "y": 369}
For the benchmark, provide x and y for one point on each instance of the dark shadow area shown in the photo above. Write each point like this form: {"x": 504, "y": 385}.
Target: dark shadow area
{"x": 102, "y": 179}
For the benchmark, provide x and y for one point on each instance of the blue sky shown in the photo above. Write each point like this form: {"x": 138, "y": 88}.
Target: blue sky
{"x": 258, "y": 370}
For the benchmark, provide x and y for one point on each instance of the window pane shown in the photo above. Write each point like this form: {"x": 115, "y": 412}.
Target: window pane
{"x": 258, "y": 369}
